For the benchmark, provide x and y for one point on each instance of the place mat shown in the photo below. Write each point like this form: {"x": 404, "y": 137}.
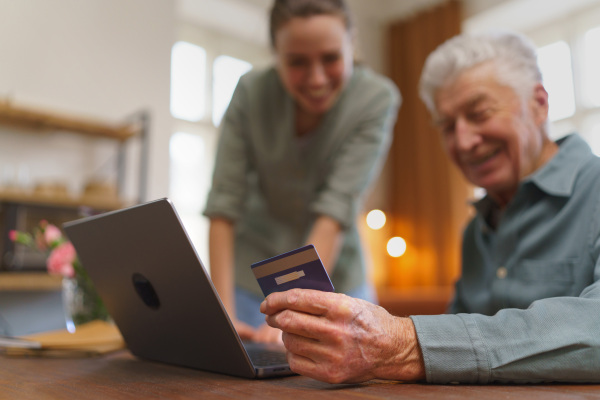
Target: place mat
{"x": 90, "y": 339}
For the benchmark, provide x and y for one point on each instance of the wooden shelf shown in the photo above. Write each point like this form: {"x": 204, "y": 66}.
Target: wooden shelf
{"x": 54, "y": 198}
{"x": 29, "y": 118}
{"x": 60, "y": 201}
{"x": 24, "y": 281}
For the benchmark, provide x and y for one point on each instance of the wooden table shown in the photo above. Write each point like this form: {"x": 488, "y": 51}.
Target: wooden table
{"x": 122, "y": 376}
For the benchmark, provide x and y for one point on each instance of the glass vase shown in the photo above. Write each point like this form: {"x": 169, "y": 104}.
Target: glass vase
{"x": 81, "y": 302}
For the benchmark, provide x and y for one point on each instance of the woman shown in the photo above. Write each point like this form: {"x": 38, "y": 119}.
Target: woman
{"x": 300, "y": 143}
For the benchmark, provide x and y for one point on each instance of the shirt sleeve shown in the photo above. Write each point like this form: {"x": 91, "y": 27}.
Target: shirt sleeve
{"x": 360, "y": 158}
{"x": 229, "y": 182}
{"x": 555, "y": 339}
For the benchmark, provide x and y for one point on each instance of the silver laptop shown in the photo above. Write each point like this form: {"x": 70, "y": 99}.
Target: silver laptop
{"x": 160, "y": 296}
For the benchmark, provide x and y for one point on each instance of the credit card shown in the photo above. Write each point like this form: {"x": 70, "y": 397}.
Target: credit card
{"x": 301, "y": 268}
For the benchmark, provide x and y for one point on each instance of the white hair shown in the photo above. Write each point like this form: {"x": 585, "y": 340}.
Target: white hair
{"x": 514, "y": 57}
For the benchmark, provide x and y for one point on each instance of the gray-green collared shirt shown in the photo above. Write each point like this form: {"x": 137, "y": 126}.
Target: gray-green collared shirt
{"x": 528, "y": 302}
{"x": 273, "y": 185}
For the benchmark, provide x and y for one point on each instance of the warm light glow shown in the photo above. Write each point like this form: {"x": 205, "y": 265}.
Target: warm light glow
{"x": 376, "y": 219}
{"x": 396, "y": 246}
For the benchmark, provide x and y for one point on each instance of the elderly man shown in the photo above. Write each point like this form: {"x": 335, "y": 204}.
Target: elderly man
{"x": 527, "y": 306}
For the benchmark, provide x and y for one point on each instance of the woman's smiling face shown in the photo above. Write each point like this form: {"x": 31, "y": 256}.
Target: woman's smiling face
{"x": 314, "y": 60}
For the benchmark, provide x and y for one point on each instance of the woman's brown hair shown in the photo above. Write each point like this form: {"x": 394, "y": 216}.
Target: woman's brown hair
{"x": 284, "y": 10}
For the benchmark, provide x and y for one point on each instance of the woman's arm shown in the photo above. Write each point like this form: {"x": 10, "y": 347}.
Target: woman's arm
{"x": 326, "y": 235}
{"x": 220, "y": 242}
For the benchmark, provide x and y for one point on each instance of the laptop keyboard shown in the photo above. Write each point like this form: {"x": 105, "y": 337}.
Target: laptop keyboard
{"x": 265, "y": 355}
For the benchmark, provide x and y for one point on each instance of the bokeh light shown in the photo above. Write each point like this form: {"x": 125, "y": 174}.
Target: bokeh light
{"x": 375, "y": 219}
{"x": 396, "y": 246}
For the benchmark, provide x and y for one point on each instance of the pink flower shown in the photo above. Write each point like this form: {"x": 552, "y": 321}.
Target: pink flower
{"x": 40, "y": 237}
{"x": 61, "y": 260}
{"x": 20, "y": 237}
{"x": 52, "y": 234}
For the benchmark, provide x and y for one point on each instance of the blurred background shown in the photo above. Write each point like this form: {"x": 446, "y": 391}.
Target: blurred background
{"x": 107, "y": 103}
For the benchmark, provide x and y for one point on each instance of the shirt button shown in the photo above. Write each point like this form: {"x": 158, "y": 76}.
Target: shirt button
{"x": 501, "y": 272}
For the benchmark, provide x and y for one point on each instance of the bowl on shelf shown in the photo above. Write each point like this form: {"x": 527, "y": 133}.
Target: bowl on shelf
{"x": 100, "y": 192}
{"x": 51, "y": 190}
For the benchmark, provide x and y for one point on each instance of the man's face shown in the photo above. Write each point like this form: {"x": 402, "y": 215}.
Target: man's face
{"x": 494, "y": 136}
{"x": 314, "y": 60}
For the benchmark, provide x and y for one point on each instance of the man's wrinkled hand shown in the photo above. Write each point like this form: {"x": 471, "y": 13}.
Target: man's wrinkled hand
{"x": 336, "y": 338}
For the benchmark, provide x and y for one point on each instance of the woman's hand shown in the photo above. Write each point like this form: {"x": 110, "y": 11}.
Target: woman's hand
{"x": 263, "y": 333}
{"x": 266, "y": 334}
{"x": 245, "y": 331}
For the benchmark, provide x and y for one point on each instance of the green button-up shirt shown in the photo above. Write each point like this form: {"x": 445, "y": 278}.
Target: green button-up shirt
{"x": 527, "y": 306}
{"x": 274, "y": 185}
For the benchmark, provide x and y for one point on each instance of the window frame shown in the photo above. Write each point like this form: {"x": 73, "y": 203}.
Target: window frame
{"x": 571, "y": 29}
{"x": 215, "y": 44}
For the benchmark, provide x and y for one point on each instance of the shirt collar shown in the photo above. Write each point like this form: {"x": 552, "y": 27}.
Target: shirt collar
{"x": 557, "y": 176}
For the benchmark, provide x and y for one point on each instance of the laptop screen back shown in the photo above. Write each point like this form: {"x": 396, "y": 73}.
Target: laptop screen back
{"x": 157, "y": 290}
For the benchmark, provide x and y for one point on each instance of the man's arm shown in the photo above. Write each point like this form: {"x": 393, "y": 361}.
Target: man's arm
{"x": 336, "y": 338}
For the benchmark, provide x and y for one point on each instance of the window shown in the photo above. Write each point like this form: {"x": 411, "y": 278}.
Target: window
{"x": 188, "y": 71}
{"x": 205, "y": 68}
{"x": 570, "y": 62}
{"x": 186, "y": 152}
{"x": 226, "y": 74}
{"x": 188, "y": 183}
{"x": 555, "y": 62}
{"x": 591, "y": 67}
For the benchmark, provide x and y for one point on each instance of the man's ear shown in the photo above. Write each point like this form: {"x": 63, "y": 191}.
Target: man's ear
{"x": 539, "y": 104}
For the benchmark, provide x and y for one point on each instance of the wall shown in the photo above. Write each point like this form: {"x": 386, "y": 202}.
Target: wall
{"x": 519, "y": 15}
{"x": 99, "y": 58}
